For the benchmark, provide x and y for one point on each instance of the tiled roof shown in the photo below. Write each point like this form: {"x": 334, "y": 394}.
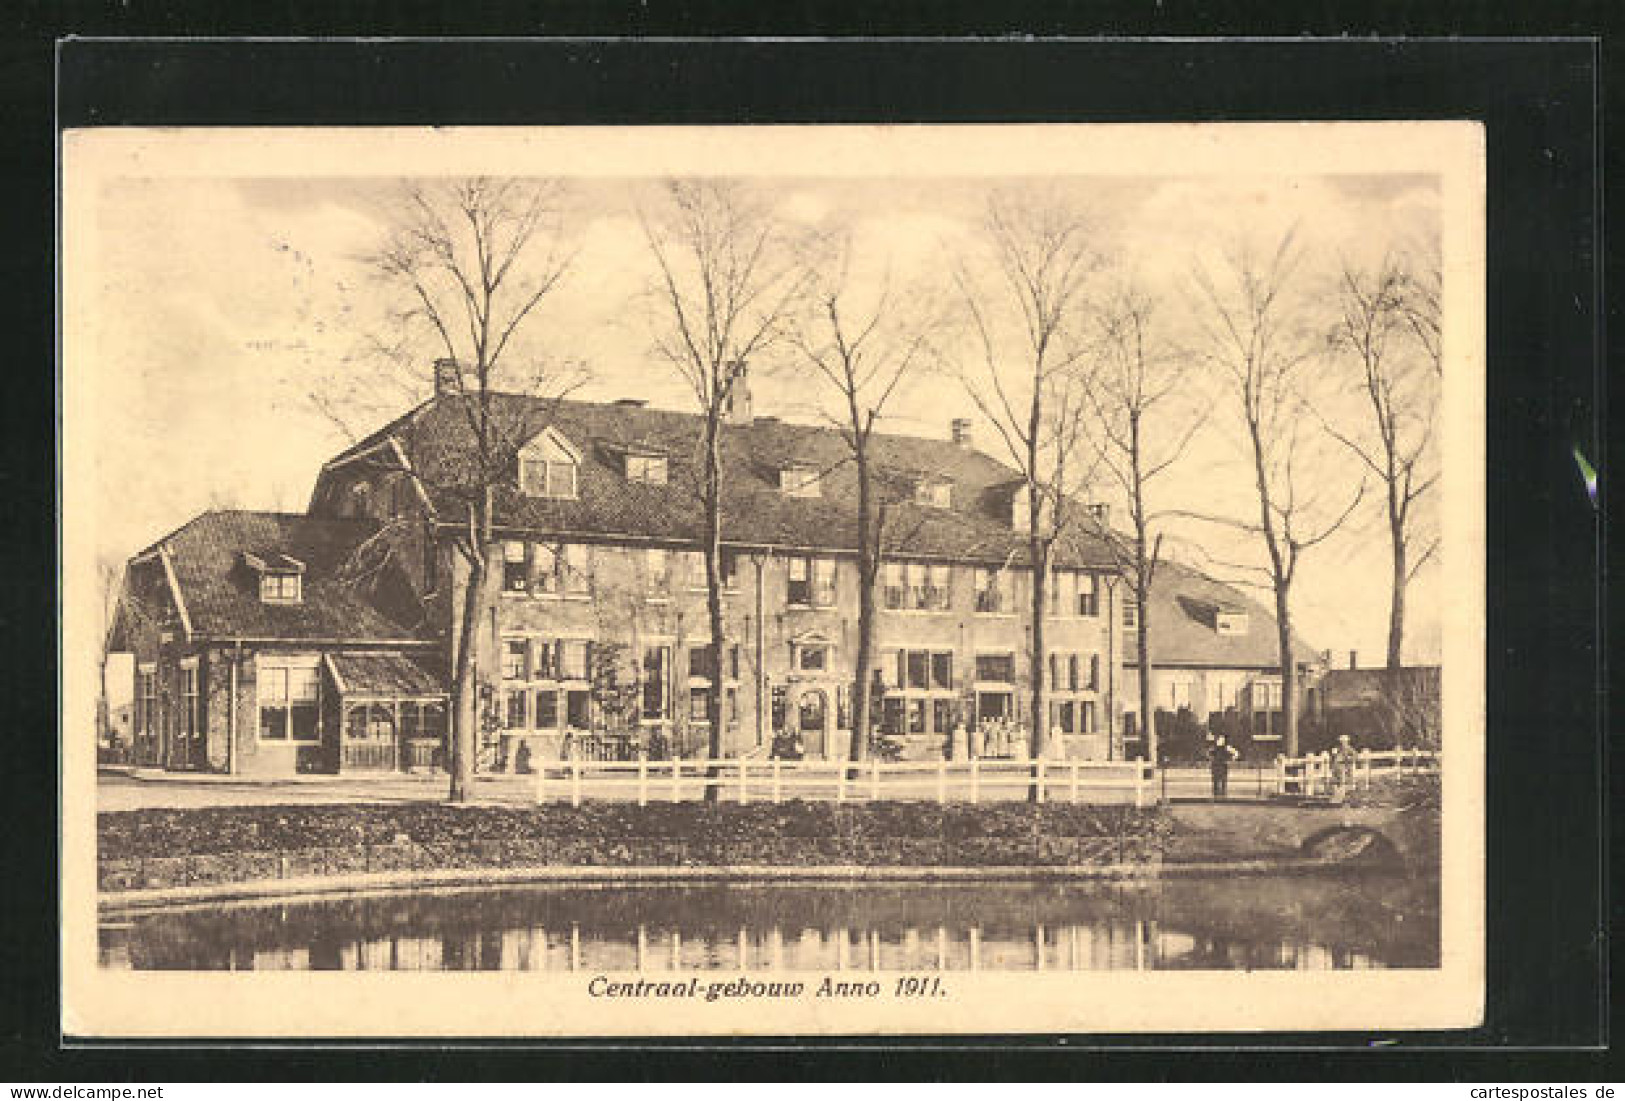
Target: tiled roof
{"x": 221, "y": 591}
{"x": 1351, "y": 687}
{"x": 438, "y": 439}
{"x": 1182, "y": 625}
{"x": 385, "y": 674}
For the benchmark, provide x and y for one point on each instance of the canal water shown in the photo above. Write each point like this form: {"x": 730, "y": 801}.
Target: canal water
{"x": 1237, "y": 923}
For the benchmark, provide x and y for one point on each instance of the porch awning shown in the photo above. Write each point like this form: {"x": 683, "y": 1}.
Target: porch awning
{"x": 384, "y": 676}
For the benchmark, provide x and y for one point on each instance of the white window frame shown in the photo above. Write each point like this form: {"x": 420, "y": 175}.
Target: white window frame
{"x": 287, "y": 666}
{"x": 275, "y": 587}
{"x": 800, "y": 480}
{"x": 647, "y": 469}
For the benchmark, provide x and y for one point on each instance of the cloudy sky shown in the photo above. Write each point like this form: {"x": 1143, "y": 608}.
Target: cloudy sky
{"x": 220, "y": 308}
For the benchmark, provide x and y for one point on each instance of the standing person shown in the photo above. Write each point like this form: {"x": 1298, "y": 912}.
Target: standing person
{"x": 1220, "y": 754}
{"x": 1342, "y": 767}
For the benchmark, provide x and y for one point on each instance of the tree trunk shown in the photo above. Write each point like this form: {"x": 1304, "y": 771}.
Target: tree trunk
{"x": 868, "y": 558}
{"x": 465, "y": 685}
{"x": 1396, "y": 607}
{"x": 1038, "y": 741}
{"x": 1148, "y": 710}
{"x": 1289, "y": 671}
{"x": 713, "y": 593}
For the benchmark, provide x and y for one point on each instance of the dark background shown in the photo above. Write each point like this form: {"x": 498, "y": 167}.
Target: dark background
{"x": 1547, "y": 920}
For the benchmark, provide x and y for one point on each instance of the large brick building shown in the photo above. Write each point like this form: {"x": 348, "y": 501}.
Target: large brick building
{"x": 268, "y": 642}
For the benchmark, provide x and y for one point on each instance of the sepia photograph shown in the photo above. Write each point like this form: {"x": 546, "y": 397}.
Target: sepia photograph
{"x": 830, "y": 580}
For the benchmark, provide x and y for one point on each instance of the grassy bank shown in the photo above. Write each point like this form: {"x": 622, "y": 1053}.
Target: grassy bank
{"x": 170, "y": 848}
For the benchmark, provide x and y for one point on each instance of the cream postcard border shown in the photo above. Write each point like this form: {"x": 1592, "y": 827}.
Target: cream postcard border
{"x": 104, "y": 1003}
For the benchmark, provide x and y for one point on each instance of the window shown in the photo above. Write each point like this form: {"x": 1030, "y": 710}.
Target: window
{"x": 578, "y": 708}
{"x": 894, "y": 585}
{"x": 654, "y": 561}
{"x": 1131, "y": 612}
{"x": 515, "y": 719}
{"x": 648, "y": 469}
{"x": 699, "y": 662}
{"x": 991, "y": 597}
{"x": 656, "y": 683}
{"x": 697, "y": 705}
{"x": 1072, "y": 716}
{"x": 823, "y": 593}
{"x": 800, "y": 481}
{"x": 915, "y": 586}
{"x": 812, "y": 582}
{"x": 515, "y": 570}
{"x": 921, "y": 701}
{"x": 191, "y": 718}
{"x": 544, "y": 568}
{"x": 916, "y": 664}
{"x": 533, "y": 671}
{"x": 996, "y": 667}
{"x": 1088, "y": 594}
{"x": 694, "y": 569}
{"x": 575, "y": 577}
{"x": 146, "y": 702}
{"x": 513, "y": 659}
{"x": 280, "y": 587}
{"x": 933, "y": 493}
{"x": 1072, "y": 592}
{"x": 812, "y": 658}
{"x": 547, "y": 708}
{"x": 1266, "y": 695}
{"x": 574, "y": 659}
{"x": 548, "y": 478}
{"x": 289, "y": 702}
{"x": 1179, "y": 693}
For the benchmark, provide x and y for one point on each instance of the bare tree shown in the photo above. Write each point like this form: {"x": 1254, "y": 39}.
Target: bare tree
{"x": 467, "y": 264}
{"x": 863, "y": 353}
{"x": 1146, "y": 415}
{"x": 726, "y": 284}
{"x": 1029, "y": 377}
{"x": 1255, "y": 337}
{"x": 1397, "y": 381}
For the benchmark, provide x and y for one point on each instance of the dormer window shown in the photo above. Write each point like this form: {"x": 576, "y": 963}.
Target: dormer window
{"x": 1230, "y": 622}
{"x": 800, "y": 481}
{"x": 934, "y": 493}
{"x": 647, "y": 469}
{"x": 549, "y": 466}
{"x": 1021, "y": 509}
{"x": 281, "y": 588}
{"x": 281, "y": 577}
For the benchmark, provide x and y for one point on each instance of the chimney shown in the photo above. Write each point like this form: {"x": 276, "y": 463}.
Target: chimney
{"x": 1354, "y": 659}
{"x": 959, "y": 430}
{"x": 448, "y": 377}
{"x": 737, "y": 409}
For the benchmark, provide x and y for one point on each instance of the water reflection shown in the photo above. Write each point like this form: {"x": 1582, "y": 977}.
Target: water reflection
{"x": 1264, "y": 923}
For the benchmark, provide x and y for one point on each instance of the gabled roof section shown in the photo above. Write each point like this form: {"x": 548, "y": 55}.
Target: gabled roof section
{"x": 209, "y": 558}
{"x": 552, "y": 444}
{"x": 1183, "y": 631}
{"x": 438, "y": 441}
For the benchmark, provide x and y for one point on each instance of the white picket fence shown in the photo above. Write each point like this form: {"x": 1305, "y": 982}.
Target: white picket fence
{"x": 1316, "y": 775}
{"x": 743, "y": 780}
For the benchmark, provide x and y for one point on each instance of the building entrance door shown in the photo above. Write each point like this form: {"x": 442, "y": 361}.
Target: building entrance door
{"x": 812, "y": 718}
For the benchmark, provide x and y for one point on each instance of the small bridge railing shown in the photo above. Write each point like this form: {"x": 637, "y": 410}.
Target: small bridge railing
{"x": 744, "y": 780}
{"x": 1321, "y": 774}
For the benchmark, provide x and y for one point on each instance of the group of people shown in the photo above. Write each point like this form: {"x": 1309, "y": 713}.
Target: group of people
{"x": 1342, "y": 757}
